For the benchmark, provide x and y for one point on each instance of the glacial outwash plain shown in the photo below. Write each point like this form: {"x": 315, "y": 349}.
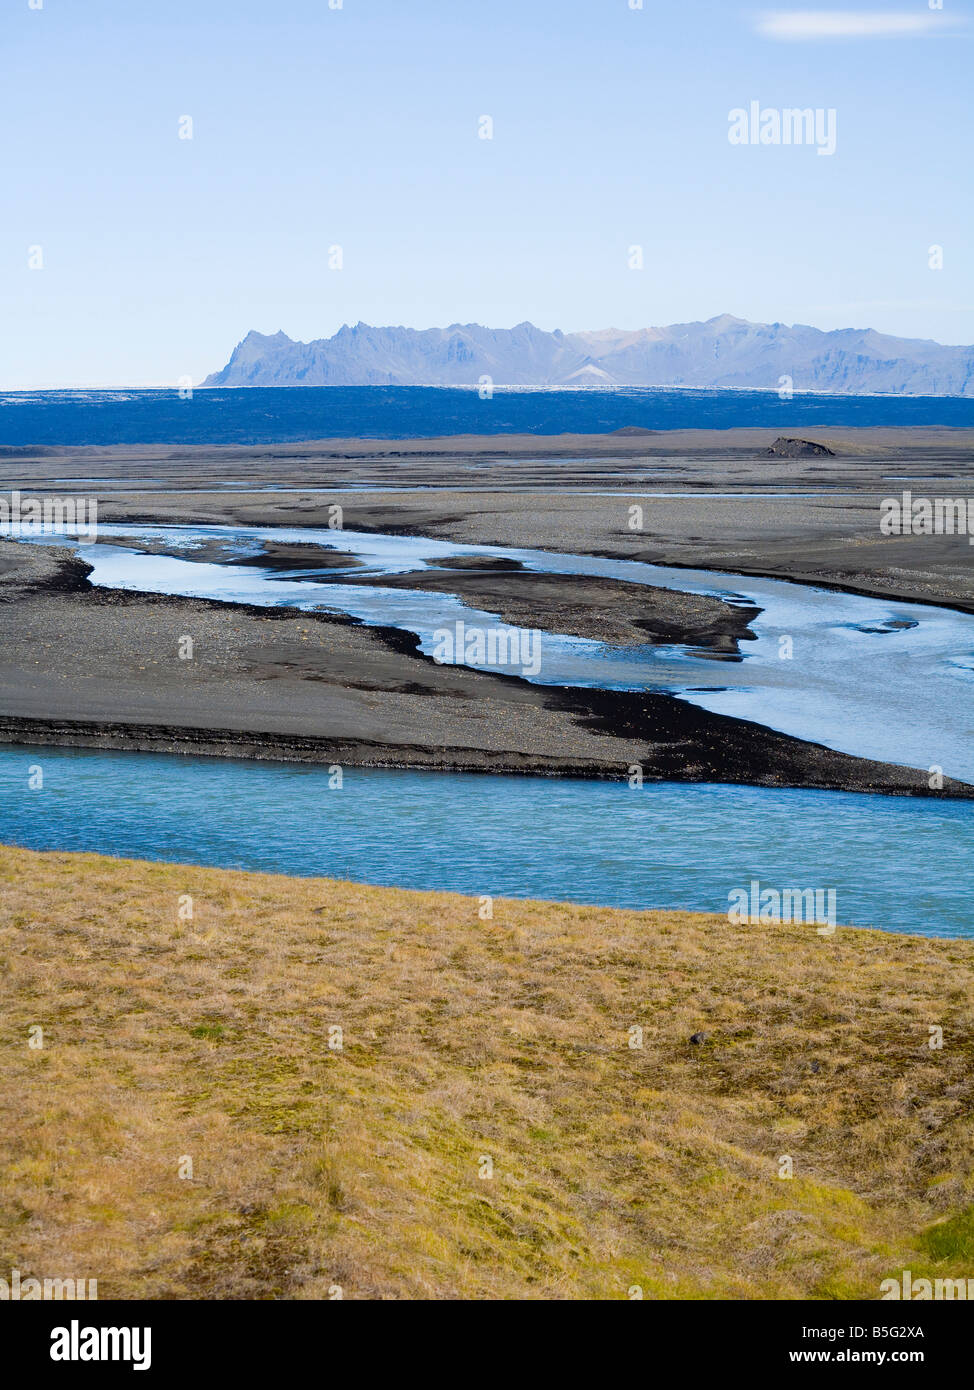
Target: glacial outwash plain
{"x": 256, "y": 1085}
{"x": 83, "y": 665}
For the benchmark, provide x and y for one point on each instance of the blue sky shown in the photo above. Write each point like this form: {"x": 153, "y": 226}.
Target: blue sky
{"x": 358, "y": 126}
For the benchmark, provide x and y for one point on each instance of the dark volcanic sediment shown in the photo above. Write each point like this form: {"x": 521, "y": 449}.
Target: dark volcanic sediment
{"x": 86, "y": 667}
{"x": 605, "y": 610}
{"x": 101, "y": 667}
{"x": 720, "y": 503}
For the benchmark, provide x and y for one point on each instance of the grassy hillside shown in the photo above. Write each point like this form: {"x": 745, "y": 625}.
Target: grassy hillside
{"x": 464, "y": 1040}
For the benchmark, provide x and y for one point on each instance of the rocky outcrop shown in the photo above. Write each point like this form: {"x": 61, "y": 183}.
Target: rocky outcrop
{"x": 784, "y": 448}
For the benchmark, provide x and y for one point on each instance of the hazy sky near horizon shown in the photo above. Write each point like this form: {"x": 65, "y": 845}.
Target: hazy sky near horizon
{"x": 359, "y": 127}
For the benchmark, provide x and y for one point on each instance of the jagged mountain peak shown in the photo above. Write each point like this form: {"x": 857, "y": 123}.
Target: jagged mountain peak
{"x": 721, "y": 351}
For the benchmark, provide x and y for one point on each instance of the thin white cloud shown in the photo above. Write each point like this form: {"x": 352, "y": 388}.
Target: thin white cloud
{"x": 796, "y": 25}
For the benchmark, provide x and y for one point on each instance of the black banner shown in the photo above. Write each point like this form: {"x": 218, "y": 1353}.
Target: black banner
{"x": 170, "y": 1339}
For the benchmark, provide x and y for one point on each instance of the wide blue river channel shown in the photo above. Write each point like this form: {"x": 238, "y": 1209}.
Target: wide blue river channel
{"x": 901, "y": 863}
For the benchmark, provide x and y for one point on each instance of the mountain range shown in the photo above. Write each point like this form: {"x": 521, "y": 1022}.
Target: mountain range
{"x": 724, "y": 351}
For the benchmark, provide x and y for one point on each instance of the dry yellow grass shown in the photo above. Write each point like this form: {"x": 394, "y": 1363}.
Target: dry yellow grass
{"x": 465, "y": 1039}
